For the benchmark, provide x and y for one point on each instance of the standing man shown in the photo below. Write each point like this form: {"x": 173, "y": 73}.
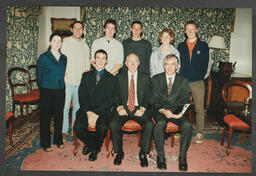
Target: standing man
{"x": 170, "y": 91}
{"x": 78, "y": 62}
{"x": 97, "y": 93}
{"x": 113, "y": 47}
{"x": 139, "y": 46}
{"x": 194, "y": 57}
{"x": 132, "y": 104}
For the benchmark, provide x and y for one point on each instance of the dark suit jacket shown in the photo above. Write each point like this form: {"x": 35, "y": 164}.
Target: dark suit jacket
{"x": 143, "y": 89}
{"x": 97, "y": 98}
{"x": 179, "y": 94}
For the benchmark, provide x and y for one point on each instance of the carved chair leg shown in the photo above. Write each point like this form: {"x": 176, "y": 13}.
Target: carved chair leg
{"x": 139, "y": 137}
{"x": 27, "y": 106}
{"x": 242, "y": 138}
{"x": 11, "y": 121}
{"x": 21, "y": 110}
{"x": 223, "y": 136}
{"x": 230, "y": 131}
{"x": 172, "y": 139}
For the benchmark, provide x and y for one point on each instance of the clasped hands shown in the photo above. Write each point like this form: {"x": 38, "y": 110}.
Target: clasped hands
{"x": 168, "y": 114}
{"x": 92, "y": 119}
{"x": 122, "y": 112}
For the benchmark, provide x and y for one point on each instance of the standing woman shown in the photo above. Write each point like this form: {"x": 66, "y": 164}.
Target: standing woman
{"x": 51, "y": 67}
{"x": 166, "y": 39}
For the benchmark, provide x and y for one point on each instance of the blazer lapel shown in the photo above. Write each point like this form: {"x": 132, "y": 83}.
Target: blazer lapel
{"x": 164, "y": 82}
{"x": 125, "y": 86}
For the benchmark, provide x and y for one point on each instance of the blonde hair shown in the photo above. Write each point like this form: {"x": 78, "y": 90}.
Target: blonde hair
{"x": 170, "y": 33}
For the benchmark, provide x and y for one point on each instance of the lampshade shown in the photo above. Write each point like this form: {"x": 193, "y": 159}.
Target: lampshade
{"x": 217, "y": 42}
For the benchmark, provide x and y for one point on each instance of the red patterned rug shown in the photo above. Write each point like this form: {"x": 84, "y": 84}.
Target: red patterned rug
{"x": 207, "y": 157}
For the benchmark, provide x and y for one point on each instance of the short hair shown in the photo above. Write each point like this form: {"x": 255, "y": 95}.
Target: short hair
{"x": 136, "y": 22}
{"x": 169, "y": 56}
{"x": 190, "y": 22}
{"x": 80, "y": 22}
{"x": 132, "y": 54}
{"x": 101, "y": 51}
{"x": 111, "y": 21}
{"x": 170, "y": 32}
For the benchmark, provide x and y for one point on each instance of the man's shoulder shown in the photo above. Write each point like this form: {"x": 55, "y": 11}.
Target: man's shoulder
{"x": 181, "y": 77}
{"x": 159, "y": 75}
{"x": 66, "y": 39}
{"x": 202, "y": 43}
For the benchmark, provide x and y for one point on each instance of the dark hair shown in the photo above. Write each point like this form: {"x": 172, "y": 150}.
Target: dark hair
{"x": 171, "y": 56}
{"x": 101, "y": 51}
{"x": 80, "y": 22}
{"x": 170, "y": 32}
{"x": 190, "y": 22}
{"x": 51, "y": 37}
{"x": 136, "y": 22}
{"x": 111, "y": 21}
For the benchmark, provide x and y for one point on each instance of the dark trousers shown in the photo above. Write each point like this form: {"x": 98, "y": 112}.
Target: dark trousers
{"x": 51, "y": 104}
{"x": 116, "y": 133}
{"x": 92, "y": 139}
{"x": 185, "y": 128}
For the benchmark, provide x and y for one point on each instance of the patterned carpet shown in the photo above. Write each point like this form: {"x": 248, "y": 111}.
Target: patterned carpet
{"x": 26, "y": 154}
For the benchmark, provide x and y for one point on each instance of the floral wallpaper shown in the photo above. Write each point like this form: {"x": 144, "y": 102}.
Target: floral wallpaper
{"x": 210, "y": 21}
{"x": 22, "y": 42}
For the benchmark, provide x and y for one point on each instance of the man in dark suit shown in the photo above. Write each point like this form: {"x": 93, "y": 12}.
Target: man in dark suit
{"x": 170, "y": 91}
{"x": 97, "y": 92}
{"x": 132, "y": 104}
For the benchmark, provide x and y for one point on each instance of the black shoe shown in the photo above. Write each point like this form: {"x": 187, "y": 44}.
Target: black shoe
{"x": 183, "y": 165}
{"x": 161, "y": 164}
{"x": 86, "y": 150}
{"x": 118, "y": 158}
{"x": 143, "y": 160}
{"x": 93, "y": 155}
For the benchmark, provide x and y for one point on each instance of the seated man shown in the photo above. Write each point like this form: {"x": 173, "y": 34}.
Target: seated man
{"x": 97, "y": 92}
{"x": 132, "y": 104}
{"x": 170, "y": 91}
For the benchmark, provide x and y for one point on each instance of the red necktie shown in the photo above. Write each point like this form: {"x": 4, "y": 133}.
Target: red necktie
{"x": 131, "y": 96}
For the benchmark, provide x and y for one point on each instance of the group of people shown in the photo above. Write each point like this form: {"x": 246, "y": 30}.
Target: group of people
{"x": 121, "y": 82}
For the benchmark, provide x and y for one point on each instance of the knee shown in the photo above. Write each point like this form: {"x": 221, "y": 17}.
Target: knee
{"x": 160, "y": 124}
{"x": 114, "y": 125}
{"x": 187, "y": 126}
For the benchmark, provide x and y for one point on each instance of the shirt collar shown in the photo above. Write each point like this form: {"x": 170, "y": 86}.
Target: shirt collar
{"x": 134, "y": 74}
{"x": 101, "y": 72}
{"x": 167, "y": 77}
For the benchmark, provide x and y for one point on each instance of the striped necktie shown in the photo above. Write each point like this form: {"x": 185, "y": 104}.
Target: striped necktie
{"x": 170, "y": 86}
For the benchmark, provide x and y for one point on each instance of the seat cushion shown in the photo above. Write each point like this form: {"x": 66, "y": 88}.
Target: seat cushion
{"x": 35, "y": 91}
{"x": 27, "y": 97}
{"x": 171, "y": 127}
{"x": 8, "y": 115}
{"x": 235, "y": 123}
{"x": 131, "y": 125}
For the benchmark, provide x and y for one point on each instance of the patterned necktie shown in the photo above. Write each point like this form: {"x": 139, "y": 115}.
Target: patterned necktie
{"x": 97, "y": 77}
{"x": 170, "y": 86}
{"x": 131, "y": 96}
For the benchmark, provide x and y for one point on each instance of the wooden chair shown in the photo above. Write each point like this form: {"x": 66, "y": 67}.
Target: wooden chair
{"x": 9, "y": 117}
{"x": 92, "y": 130}
{"x": 233, "y": 93}
{"x": 21, "y": 98}
{"x": 129, "y": 126}
{"x": 33, "y": 80}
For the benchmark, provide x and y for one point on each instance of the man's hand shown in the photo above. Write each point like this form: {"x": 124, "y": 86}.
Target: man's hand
{"x": 139, "y": 112}
{"x": 168, "y": 114}
{"x": 92, "y": 119}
